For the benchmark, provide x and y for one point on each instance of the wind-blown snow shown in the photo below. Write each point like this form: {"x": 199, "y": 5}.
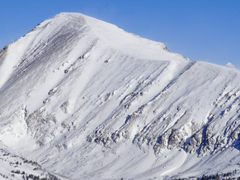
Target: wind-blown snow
{"x": 87, "y": 100}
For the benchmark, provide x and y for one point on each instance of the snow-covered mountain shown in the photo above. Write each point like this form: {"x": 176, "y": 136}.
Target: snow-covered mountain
{"x": 82, "y": 99}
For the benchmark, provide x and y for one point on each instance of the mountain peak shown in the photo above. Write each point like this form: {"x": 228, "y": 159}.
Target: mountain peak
{"x": 230, "y": 65}
{"x": 116, "y": 38}
{"x": 86, "y": 100}
{"x": 78, "y": 30}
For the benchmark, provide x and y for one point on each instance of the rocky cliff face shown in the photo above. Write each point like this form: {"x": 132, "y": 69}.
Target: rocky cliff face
{"x": 85, "y": 100}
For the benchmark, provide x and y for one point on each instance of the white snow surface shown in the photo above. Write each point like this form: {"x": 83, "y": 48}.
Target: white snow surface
{"x": 87, "y": 100}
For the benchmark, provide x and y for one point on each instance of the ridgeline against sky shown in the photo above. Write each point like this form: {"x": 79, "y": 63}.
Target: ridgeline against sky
{"x": 200, "y": 30}
{"x": 84, "y": 99}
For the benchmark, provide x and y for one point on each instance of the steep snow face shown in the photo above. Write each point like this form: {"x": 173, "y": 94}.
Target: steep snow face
{"x": 86, "y": 100}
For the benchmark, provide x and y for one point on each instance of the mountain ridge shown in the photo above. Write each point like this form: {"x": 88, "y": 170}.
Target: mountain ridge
{"x": 84, "y": 99}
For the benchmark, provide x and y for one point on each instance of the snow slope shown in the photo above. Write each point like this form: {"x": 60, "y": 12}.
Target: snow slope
{"x": 87, "y": 100}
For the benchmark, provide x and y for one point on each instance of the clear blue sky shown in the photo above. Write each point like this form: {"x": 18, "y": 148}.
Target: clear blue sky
{"x": 203, "y": 30}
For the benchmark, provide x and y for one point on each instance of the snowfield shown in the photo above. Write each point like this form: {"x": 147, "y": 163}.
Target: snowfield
{"x": 82, "y": 99}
